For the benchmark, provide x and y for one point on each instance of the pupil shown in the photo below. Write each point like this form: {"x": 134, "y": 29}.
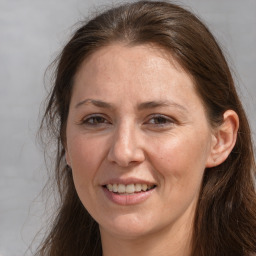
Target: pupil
{"x": 160, "y": 120}
{"x": 98, "y": 119}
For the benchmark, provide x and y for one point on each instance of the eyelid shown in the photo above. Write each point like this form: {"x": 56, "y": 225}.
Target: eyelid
{"x": 95, "y": 115}
{"x": 168, "y": 121}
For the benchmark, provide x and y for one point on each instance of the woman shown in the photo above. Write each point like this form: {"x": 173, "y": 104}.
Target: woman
{"x": 154, "y": 149}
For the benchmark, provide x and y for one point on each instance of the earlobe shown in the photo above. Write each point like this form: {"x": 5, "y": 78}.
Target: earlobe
{"x": 224, "y": 139}
{"x": 67, "y": 158}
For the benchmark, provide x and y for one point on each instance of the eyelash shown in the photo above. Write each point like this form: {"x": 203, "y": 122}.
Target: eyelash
{"x": 159, "y": 121}
{"x": 93, "y": 120}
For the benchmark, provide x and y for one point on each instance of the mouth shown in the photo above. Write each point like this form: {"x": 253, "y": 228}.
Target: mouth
{"x": 129, "y": 188}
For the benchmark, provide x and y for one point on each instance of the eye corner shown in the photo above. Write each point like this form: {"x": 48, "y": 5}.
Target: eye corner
{"x": 95, "y": 120}
{"x": 160, "y": 121}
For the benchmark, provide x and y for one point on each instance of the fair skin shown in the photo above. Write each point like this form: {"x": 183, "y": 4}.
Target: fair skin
{"x": 135, "y": 120}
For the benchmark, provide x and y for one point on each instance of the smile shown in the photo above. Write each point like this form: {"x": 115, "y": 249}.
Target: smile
{"x": 129, "y": 188}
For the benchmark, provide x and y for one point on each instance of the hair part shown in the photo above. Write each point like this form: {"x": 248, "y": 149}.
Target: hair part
{"x": 225, "y": 222}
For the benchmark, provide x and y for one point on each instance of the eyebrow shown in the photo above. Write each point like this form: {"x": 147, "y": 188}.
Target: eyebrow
{"x": 97, "y": 103}
{"x": 157, "y": 104}
{"x": 140, "y": 107}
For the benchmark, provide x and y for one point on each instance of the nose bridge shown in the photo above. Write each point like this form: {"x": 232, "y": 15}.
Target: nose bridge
{"x": 125, "y": 148}
{"x": 124, "y": 134}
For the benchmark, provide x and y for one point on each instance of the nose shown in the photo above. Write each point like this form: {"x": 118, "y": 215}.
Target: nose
{"x": 126, "y": 148}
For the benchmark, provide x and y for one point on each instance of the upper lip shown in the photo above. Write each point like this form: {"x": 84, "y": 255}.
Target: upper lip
{"x": 127, "y": 181}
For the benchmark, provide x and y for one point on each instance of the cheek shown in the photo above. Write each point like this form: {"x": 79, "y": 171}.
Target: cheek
{"x": 181, "y": 159}
{"x": 85, "y": 156}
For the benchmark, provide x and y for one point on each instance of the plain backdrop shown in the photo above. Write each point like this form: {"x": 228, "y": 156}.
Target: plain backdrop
{"x": 32, "y": 33}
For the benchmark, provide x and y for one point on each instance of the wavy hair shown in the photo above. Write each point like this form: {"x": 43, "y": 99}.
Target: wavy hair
{"x": 225, "y": 219}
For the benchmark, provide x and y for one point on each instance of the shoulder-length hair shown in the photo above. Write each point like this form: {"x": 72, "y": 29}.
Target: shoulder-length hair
{"x": 225, "y": 220}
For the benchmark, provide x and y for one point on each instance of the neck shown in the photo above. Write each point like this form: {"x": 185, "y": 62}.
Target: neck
{"x": 167, "y": 242}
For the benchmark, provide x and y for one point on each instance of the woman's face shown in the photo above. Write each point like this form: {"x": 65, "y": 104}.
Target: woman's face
{"x": 138, "y": 141}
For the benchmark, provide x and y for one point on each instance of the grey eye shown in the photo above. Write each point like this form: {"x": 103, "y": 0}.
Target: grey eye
{"x": 96, "y": 120}
{"x": 159, "y": 120}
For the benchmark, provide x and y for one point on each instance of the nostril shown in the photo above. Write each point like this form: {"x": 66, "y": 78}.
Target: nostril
{"x": 126, "y": 158}
{"x": 126, "y": 149}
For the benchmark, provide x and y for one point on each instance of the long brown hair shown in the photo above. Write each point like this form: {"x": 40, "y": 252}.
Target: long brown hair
{"x": 225, "y": 222}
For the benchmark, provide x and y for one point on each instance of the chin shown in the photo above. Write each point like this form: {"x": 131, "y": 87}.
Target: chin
{"x": 127, "y": 226}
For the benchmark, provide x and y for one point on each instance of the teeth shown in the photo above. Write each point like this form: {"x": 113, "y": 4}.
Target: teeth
{"x": 114, "y": 188}
{"x": 137, "y": 187}
{"x": 128, "y": 189}
{"x": 110, "y": 187}
{"x": 121, "y": 188}
{"x": 144, "y": 187}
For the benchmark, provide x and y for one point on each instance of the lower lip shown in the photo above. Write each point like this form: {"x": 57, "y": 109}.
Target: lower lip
{"x": 128, "y": 199}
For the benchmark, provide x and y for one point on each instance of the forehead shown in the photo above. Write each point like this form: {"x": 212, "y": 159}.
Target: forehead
{"x": 144, "y": 71}
{"x": 145, "y": 55}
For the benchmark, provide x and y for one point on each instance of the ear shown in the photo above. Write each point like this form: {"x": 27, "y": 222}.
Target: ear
{"x": 67, "y": 157}
{"x": 224, "y": 139}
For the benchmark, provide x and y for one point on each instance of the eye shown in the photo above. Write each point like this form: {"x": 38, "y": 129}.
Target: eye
{"x": 158, "y": 120}
{"x": 95, "y": 120}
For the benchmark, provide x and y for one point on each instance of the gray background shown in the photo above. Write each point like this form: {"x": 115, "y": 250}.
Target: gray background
{"x": 31, "y": 34}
